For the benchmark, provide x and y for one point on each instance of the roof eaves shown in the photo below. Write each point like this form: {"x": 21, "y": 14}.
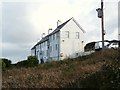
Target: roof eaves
{"x": 41, "y": 41}
{"x": 56, "y": 30}
{"x": 79, "y": 26}
{"x": 60, "y": 26}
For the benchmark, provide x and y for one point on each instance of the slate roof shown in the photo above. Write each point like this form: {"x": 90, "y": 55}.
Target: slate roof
{"x": 60, "y": 26}
{"x": 56, "y": 30}
{"x": 41, "y": 41}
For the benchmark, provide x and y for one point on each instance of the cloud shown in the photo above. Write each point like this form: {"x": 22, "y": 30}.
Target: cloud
{"x": 119, "y": 19}
{"x": 92, "y": 23}
{"x": 15, "y": 26}
{"x": 23, "y": 22}
{"x": 15, "y": 52}
{"x": 17, "y": 33}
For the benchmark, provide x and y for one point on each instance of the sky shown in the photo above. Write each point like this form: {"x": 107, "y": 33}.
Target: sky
{"x": 23, "y": 22}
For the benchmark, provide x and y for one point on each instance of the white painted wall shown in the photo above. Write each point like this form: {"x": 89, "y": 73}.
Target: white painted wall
{"x": 71, "y": 46}
{"x": 43, "y": 51}
{"x": 54, "y": 44}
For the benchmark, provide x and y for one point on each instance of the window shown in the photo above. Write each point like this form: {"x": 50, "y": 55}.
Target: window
{"x": 77, "y": 35}
{"x": 50, "y": 48}
{"x": 57, "y": 35}
{"x": 50, "y": 38}
{"x": 40, "y": 52}
{"x": 37, "y": 54}
{"x": 40, "y": 46}
{"x": 44, "y": 43}
{"x": 53, "y": 36}
{"x": 56, "y": 47}
{"x": 67, "y": 34}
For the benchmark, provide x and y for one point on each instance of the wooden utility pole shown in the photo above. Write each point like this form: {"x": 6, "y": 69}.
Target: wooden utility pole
{"x": 101, "y": 15}
{"x": 102, "y": 24}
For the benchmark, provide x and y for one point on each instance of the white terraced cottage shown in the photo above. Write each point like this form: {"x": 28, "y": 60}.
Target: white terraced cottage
{"x": 66, "y": 41}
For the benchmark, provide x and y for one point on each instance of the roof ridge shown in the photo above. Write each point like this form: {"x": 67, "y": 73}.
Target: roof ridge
{"x": 79, "y": 25}
{"x": 65, "y": 22}
{"x": 56, "y": 30}
{"x": 60, "y": 26}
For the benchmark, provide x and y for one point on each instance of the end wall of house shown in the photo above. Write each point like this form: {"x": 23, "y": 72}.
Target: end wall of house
{"x": 71, "y": 45}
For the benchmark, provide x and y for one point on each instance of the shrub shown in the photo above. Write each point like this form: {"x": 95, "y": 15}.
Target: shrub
{"x": 22, "y": 63}
{"x": 32, "y": 61}
{"x": 5, "y": 63}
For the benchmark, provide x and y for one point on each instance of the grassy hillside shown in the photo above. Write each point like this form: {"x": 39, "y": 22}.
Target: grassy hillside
{"x": 96, "y": 70}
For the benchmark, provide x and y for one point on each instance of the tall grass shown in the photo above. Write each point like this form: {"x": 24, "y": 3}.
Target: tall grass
{"x": 78, "y": 72}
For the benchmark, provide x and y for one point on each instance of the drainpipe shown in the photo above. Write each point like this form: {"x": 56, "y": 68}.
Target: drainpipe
{"x": 49, "y": 44}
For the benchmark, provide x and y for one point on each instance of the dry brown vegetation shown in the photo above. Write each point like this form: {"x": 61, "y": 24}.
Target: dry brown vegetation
{"x": 57, "y": 74}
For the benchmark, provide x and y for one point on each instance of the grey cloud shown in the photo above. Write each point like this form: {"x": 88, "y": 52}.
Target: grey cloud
{"x": 119, "y": 17}
{"x": 17, "y": 33}
{"x": 111, "y": 25}
{"x": 16, "y": 52}
{"x": 16, "y": 29}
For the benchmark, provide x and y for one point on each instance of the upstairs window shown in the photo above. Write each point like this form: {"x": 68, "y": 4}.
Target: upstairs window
{"x": 53, "y": 36}
{"x": 50, "y": 37}
{"x": 50, "y": 48}
{"x": 57, "y": 35}
{"x": 44, "y": 44}
{"x": 77, "y": 35}
{"x": 67, "y": 34}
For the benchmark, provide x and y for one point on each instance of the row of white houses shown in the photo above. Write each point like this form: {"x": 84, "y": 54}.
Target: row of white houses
{"x": 66, "y": 41}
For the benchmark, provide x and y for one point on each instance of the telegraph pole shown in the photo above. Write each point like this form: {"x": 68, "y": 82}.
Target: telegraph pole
{"x": 102, "y": 24}
{"x": 101, "y": 15}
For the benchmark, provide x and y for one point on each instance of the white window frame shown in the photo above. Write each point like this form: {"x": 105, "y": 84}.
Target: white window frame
{"x": 67, "y": 33}
{"x": 53, "y": 36}
{"x": 50, "y": 38}
{"x": 57, "y": 35}
{"x": 77, "y": 35}
{"x": 50, "y": 49}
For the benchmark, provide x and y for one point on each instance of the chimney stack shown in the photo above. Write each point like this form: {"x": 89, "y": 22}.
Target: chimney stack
{"x": 58, "y": 23}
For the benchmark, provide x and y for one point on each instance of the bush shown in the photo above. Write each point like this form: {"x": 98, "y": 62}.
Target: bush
{"x": 3, "y": 65}
{"x": 22, "y": 63}
{"x": 32, "y": 61}
{"x": 107, "y": 77}
{"x": 7, "y": 62}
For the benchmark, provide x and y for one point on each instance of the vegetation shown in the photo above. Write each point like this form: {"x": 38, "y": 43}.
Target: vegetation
{"x": 30, "y": 62}
{"x": 98, "y": 70}
{"x": 107, "y": 77}
{"x": 5, "y": 63}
